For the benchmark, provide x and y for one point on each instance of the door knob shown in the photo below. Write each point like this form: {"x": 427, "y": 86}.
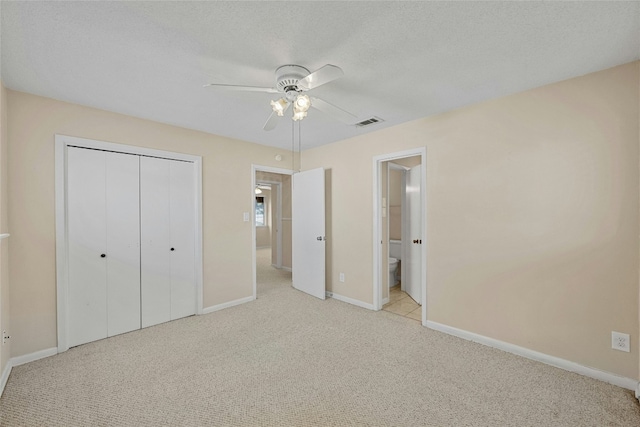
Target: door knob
{"x": 173, "y": 249}
{"x": 103, "y": 255}
{"x": 415, "y": 241}
{"x": 319, "y": 238}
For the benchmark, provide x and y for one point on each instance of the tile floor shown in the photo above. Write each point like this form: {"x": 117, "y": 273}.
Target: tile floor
{"x": 401, "y": 303}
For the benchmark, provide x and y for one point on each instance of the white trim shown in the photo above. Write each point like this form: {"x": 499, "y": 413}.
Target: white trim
{"x": 4, "y": 236}
{"x": 62, "y": 274}
{"x": 227, "y": 304}
{"x": 5, "y": 376}
{"x": 567, "y": 365}
{"x": 385, "y": 301}
{"x": 289, "y": 269}
{"x": 638, "y": 391}
{"x": 32, "y": 357}
{"x": 350, "y": 300}
{"x": 377, "y": 223}
{"x": 21, "y": 360}
{"x": 281, "y": 268}
{"x": 255, "y": 168}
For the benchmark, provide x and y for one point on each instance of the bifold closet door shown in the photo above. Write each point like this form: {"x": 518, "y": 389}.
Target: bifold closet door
{"x": 103, "y": 244}
{"x": 123, "y": 243}
{"x": 167, "y": 224}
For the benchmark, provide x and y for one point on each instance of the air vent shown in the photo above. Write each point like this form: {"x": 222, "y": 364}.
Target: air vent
{"x": 369, "y": 122}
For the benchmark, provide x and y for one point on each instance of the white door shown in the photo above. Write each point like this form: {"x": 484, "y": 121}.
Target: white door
{"x": 167, "y": 228}
{"x": 104, "y": 264}
{"x": 308, "y": 240}
{"x": 87, "y": 237}
{"x": 182, "y": 229}
{"x": 155, "y": 234}
{"x": 413, "y": 266}
{"x": 123, "y": 243}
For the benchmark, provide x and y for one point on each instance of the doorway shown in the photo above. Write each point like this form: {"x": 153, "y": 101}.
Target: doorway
{"x": 271, "y": 223}
{"x": 399, "y": 233}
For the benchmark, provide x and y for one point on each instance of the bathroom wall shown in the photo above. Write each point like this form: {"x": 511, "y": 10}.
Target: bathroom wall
{"x": 395, "y": 204}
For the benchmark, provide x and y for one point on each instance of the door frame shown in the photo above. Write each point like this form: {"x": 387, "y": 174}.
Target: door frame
{"x": 259, "y": 168}
{"x": 62, "y": 271}
{"x": 377, "y": 225}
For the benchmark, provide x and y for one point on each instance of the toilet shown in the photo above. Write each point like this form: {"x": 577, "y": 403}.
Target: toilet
{"x": 395, "y": 251}
{"x": 393, "y": 266}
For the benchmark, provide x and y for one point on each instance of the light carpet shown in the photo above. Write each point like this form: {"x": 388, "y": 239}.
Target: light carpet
{"x": 288, "y": 359}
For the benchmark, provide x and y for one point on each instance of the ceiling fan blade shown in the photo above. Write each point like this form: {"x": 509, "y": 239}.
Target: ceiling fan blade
{"x": 272, "y": 121}
{"x": 242, "y": 88}
{"x": 319, "y": 77}
{"x": 333, "y": 111}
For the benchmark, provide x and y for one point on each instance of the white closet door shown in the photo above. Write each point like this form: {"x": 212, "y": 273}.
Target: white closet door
{"x": 155, "y": 235}
{"x": 86, "y": 216}
{"x": 182, "y": 215}
{"x": 123, "y": 243}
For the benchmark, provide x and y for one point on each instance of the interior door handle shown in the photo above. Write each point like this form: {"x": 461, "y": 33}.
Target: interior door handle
{"x": 415, "y": 241}
{"x": 319, "y": 238}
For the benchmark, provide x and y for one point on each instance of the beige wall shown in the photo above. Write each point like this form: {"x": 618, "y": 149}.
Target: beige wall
{"x": 227, "y": 241}
{"x": 5, "y": 353}
{"x": 395, "y": 204}
{"x": 263, "y": 234}
{"x": 532, "y": 216}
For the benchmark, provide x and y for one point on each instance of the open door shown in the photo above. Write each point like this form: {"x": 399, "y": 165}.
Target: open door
{"x": 413, "y": 266}
{"x": 308, "y": 240}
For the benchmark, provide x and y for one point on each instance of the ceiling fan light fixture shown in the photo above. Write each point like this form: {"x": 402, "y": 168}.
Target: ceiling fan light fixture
{"x": 299, "y": 115}
{"x": 302, "y": 103}
{"x": 279, "y": 106}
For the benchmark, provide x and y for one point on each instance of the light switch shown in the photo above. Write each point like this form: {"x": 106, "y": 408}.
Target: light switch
{"x": 246, "y": 217}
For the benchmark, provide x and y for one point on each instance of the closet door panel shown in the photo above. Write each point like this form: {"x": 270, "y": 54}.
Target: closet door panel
{"x": 155, "y": 241}
{"x": 182, "y": 213}
{"x": 123, "y": 243}
{"x": 86, "y": 219}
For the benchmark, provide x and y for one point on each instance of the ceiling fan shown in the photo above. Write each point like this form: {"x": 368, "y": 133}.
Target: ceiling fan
{"x": 293, "y": 81}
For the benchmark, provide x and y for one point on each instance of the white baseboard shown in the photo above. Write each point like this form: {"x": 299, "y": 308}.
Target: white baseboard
{"x": 5, "y": 376}
{"x": 638, "y": 392}
{"x": 567, "y": 365}
{"x": 350, "y": 300}
{"x": 227, "y": 304}
{"x": 385, "y": 301}
{"x": 281, "y": 268}
{"x": 21, "y": 360}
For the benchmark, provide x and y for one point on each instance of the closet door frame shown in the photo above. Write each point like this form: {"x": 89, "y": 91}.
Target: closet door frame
{"x": 62, "y": 260}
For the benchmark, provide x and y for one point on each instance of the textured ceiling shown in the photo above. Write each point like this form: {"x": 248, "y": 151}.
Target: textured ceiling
{"x": 402, "y": 60}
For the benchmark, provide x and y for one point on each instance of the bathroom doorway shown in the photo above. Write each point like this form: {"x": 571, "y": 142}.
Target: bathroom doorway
{"x": 271, "y": 221}
{"x": 400, "y": 243}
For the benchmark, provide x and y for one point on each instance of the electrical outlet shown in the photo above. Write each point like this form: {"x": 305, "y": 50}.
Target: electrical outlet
{"x": 342, "y": 277}
{"x": 620, "y": 341}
